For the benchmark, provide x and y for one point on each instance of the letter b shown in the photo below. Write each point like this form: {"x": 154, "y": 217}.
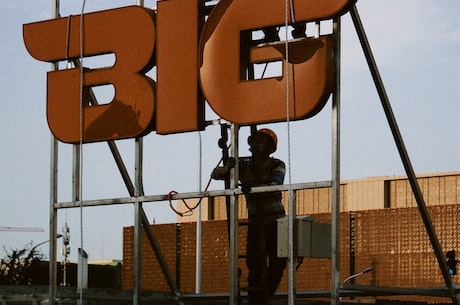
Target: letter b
{"x": 127, "y": 32}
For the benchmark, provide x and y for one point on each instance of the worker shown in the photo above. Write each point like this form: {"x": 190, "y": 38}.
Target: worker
{"x": 263, "y": 210}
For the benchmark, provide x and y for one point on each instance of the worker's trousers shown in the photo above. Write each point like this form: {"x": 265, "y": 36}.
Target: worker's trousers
{"x": 265, "y": 268}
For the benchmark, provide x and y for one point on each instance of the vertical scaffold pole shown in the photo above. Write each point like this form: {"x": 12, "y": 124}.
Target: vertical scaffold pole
{"x": 198, "y": 224}
{"x": 335, "y": 238}
{"x": 291, "y": 249}
{"x": 53, "y": 221}
{"x": 137, "y": 213}
{"x": 233, "y": 245}
{"x": 138, "y": 190}
{"x": 52, "y": 283}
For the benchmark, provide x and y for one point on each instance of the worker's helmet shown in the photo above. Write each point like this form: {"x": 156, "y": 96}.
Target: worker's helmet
{"x": 264, "y": 132}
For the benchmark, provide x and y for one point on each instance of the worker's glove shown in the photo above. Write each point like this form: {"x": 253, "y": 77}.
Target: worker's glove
{"x": 230, "y": 163}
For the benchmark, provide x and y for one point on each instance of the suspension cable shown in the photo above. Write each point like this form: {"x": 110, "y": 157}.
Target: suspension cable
{"x": 81, "y": 141}
{"x": 289, "y": 8}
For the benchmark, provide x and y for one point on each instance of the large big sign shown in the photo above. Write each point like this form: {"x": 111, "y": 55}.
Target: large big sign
{"x": 194, "y": 62}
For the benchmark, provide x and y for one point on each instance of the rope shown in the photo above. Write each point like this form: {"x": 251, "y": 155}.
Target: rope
{"x": 291, "y": 10}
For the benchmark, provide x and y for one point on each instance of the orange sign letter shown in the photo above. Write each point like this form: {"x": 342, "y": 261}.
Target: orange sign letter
{"x": 129, "y": 33}
{"x": 180, "y": 105}
{"x": 311, "y": 65}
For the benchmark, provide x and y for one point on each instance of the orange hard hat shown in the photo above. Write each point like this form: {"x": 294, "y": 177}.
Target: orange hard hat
{"x": 265, "y": 132}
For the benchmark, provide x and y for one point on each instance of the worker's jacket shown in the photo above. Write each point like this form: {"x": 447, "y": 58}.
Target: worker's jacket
{"x": 262, "y": 207}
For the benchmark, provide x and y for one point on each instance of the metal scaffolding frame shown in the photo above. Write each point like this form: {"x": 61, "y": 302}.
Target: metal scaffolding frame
{"x": 137, "y": 196}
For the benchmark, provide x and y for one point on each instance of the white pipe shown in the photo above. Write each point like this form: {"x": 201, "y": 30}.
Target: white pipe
{"x": 369, "y": 269}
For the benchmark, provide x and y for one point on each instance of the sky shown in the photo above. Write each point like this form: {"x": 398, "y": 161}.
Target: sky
{"x": 415, "y": 43}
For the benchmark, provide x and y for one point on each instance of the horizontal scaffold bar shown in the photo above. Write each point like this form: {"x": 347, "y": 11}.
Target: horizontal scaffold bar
{"x": 189, "y": 195}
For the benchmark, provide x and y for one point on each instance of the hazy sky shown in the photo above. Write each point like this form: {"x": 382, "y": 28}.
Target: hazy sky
{"x": 416, "y": 46}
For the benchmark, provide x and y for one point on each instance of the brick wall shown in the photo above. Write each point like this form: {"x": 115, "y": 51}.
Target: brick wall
{"x": 214, "y": 257}
{"x": 391, "y": 241}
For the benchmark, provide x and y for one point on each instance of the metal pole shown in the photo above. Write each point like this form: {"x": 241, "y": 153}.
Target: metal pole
{"x": 138, "y": 212}
{"x": 233, "y": 253}
{"x": 52, "y": 283}
{"x": 139, "y": 187}
{"x": 55, "y": 7}
{"x": 76, "y": 191}
{"x": 403, "y": 154}
{"x": 198, "y": 226}
{"x": 137, "y": 222}
{"x": 53, "y": 220}
{"x": 76, "y": 172}
{"x": 137, "y": 253}
{"x": 335, "y": 238}
{"x": 198, "y": 251}
{"x": 65, "y": 231}
{"x": 291, "y": 247}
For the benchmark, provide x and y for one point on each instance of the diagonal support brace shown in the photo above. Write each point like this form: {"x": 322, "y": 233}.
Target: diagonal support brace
{"x": 403, "y": 153}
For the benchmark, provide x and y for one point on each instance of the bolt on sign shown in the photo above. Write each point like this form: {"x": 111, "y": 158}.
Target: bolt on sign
{"x": 197, "y": 61}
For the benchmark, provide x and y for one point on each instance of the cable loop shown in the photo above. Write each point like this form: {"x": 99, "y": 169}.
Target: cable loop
{"x": 189, "y": 211}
